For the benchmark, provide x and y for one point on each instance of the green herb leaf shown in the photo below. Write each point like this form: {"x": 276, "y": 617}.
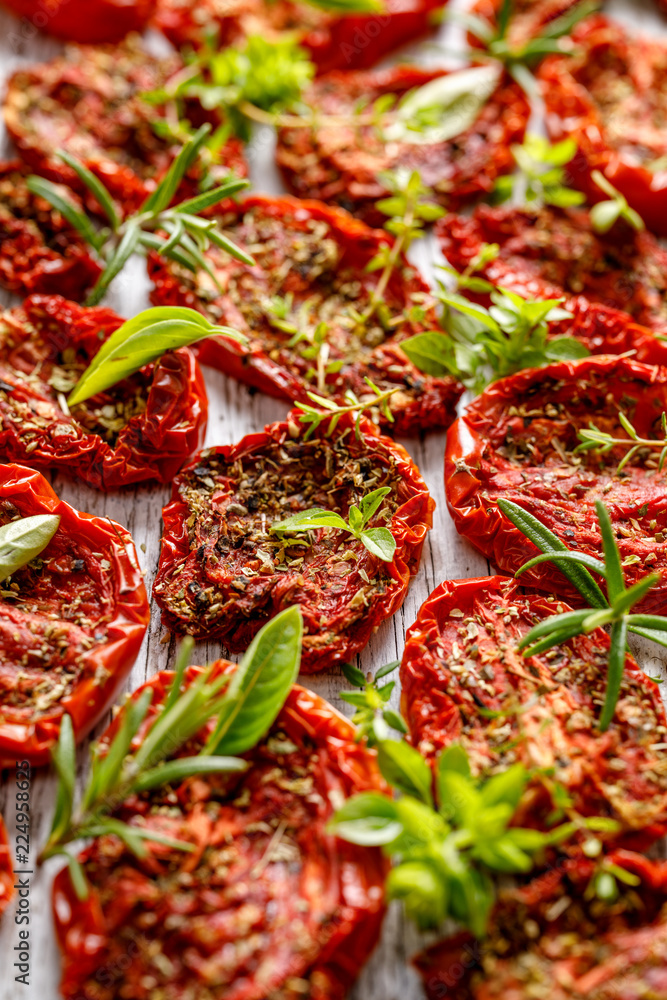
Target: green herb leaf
{"x": 56, "y": 195}
{"x": 261, "y": 683}
{"x": 405, "y": 769}
{"x": 368, "y": 819}
{"x": 432, "y": 353}
{"x": 22, "y": 541}
{"x": 380, "y": 543}
{"x": 175, "y": 771}
{"x": 141, "y": 341}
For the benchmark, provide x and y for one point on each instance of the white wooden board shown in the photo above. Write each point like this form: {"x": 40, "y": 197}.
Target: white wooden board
{"x": 234, "y": 411}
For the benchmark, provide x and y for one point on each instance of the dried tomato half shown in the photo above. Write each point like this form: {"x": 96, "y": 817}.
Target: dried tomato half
{"x": 310, "y": 270}
{"x": 71, "y": 621}
{"x": 343, "y": 165}
{"x": 555, "y": 939}
{"x": 269, "y": 903}
{"x": 546, "y": 252}
{"x": 223, "y": 573}
{"x": 464, "y": 681}
{"x": 6, "y": 869}
{"x": 89, "y": 102}
{"x": 332, "y": 42}
{"x": 517, "y": 441}
{"x": 39, "y": 250}
{"x": 144, "y": 428}
{"x": 88, "y": 21}
{"x": 609, "y": 96}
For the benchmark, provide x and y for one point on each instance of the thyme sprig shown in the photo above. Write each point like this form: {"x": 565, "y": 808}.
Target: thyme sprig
{"x": 592, "y": 439}
{"x": 373, "y": 717}
{"x": 480, "y": 345}
{"x": 326, "y": 409}
{"x": 379, "y": 541}
{"x": 245, "y": 705}
{"x": 188, "y": 235}
{"x": 601, "y": 612}
{"x": 606, "y": 213}
{"x": 448, "y": 850}
{"x": 541, "y": 177}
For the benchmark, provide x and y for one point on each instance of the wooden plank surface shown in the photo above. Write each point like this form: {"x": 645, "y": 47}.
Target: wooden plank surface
{"x": 234, "y": 411}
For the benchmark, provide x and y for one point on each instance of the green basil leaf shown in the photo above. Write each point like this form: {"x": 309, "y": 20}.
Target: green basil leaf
{"x": 380, "y": 543}
{"x": 372, "y": 501}
{"x": 23, "y": 540}
{"x": 458, "y": 799}
{"x": 432, "y": 353}
{"x": 506, "y": 788}
{"x": 604, "y": 215}
{"x": 449, "y": 105}
{"x": 455, "y": 759}
{"x": 261, "y": 683}
{"x": 565, "y": 349}
{"x": 315, "y": 517}
{"x": 140, "y": 341}
{"x": 423, "y": 891}
{"x": 175, "y": 771}
{"x": 405, "y": 769}
{"x": 369, "y": 819}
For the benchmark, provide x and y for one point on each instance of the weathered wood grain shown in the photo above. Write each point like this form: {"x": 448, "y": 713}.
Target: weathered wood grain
{"x": 234, "y": 411}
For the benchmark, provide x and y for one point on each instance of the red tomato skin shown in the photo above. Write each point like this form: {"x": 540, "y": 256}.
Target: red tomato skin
{"x": 338, "y": 166}
{"x": 469, "y": 466}
{"x": 453, "y": 967}
{"x": 153, "y": 444}
{"x": 355, "y": 41}
{"x": 39, "y": 253}
{"x": 85, "y": 21}
{"x": 571, "y": 111}
{"x": 448, "y": 698}
{"x": 616, "y": 313}
{"x": 82, "y": 928}
{"x": 422, "y": 403}
{"x": 410, "y": 524}
{"x": 6, "y": 868}
{"x": 31, "y": 494}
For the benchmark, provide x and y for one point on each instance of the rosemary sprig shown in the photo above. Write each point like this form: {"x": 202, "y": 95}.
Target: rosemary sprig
{"x": 448, "y": 851}
{"x": 326, "y": 409}
{"x": 601, "y": 612}
{"x": 245, "y": 705}
{"x": 592, "y": 439}
{"x": 373, "y": 718}
{"x": 379, "y": 541}
{"x": 606, "y": 213}
{"x": 541, "y": 177}
{"x": 187, "y": 234}
{"x": 409, "y": 206}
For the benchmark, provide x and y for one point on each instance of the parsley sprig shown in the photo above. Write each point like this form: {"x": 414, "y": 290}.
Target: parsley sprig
{"x": 188, "y": 235}
{"x": 245, "y": 705}
{"x": 541, "y": 178}
{"x": 601, "y": 612}
{"x": 480, "y": 345}
{"x": 592, "y": 439}
{"x": 447, "y": 849}
{"x": 379, "y": 541}
{"x": 373, "y": 717}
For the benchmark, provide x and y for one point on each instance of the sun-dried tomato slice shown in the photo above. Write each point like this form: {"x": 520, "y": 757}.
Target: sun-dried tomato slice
{"x": 223, "y": 573}
{"x": 268, "y": 905}
{"x": 71, "y": 621}
{"x": 343, "y": 164}
{"x": 332, "y": 42}
{"x": 89, "y": 103}
{"x": 554, "y": 939}
{"x": 88, "y": 21}
{"x": 528, "y": 19}
{"x": 517, "y": 441}
{"x": 464, "y": 681}
{"x": 144, "y": 428}
{"x": 608, "y": 94}
{"x": 6, "y": 869}
{"x": 310, "y": 269}
{"x": 546, "y": 252}
{"x": 39, "y": 250}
